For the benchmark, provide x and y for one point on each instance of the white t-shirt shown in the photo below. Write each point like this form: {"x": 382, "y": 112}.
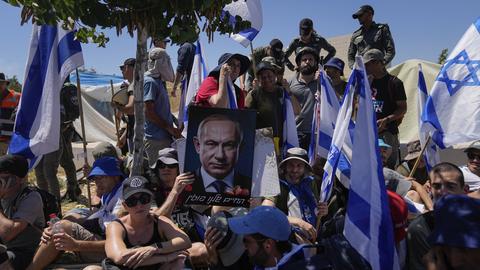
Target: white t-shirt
{"x": 471, "y": 179}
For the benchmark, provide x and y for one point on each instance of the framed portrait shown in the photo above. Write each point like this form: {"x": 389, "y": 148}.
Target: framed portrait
{"x": 219, "y": 152}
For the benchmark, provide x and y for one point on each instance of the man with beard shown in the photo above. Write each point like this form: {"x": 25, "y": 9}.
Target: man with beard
{"x": 303, "y": 86}
{"x": 266, "y": 233}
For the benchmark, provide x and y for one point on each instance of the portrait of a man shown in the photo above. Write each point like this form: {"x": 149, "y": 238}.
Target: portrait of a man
{"x": 221, "y": 152}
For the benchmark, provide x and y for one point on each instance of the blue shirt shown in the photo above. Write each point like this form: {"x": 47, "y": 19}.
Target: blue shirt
{"x": 153, "y": 90}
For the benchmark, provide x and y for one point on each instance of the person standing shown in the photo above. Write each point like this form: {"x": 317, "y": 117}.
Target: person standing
{"x": 9, "y": 100}
{"x": 370, "y": 35}
{"x": 186, "y": 54}
{"x": 308, "y": 38}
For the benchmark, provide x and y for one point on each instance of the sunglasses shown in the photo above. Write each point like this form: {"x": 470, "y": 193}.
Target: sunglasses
{"x": 144, "y": 198}
{"x": 473, "y": 156}
{"x": 161, "y": 165}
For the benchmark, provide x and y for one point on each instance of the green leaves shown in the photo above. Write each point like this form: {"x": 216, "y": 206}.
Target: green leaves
{"x": 177, "y": 19}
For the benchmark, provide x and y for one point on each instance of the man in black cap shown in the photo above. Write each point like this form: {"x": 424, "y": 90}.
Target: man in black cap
{"x": 308, "y": 38}
{"x": 21, "y": 214}
{"x": 8, "y": 104}
{"x": 275, "y": 50}
{"x": 370, "y": 36}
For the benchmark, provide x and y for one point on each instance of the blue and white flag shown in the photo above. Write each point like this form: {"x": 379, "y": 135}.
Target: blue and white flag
{"x": 431, "y": 154}
{"x": 198, "y": 74}
{"x": 340, "y": 131}
{"x": 251, "y": 11}
{"x": 368, "y": 224}
{"x": 312, "y": 148}
{"x": 54, "y": 53}
{"x": 290, "y": 135}
{"x": 452, "y": 111}
{"x": 232, "y": 97}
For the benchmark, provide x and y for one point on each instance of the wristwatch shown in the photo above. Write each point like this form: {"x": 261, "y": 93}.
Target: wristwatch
{"x": 158, "y": 245}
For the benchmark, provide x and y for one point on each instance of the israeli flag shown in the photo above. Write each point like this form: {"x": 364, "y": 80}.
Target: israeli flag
{"x": 290, "y": 135}
{"x": 198, "y": 74}
{"x": 340, "y": 132}
{"x": 452, "y": 111}
{"x": 251, "y": 11}
{"x": 54, "y": 54}
{"x": 312, "y": 148}
{"x": 368, "y": 224}
{"x": 431, "y": 154}
{"x": 232, "y": 97}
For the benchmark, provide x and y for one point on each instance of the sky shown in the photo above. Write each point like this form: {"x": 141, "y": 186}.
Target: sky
{"x": 421, "y": 29}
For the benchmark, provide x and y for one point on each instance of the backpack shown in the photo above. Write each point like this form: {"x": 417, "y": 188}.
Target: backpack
{"x": 69, "y": 102}
{"x": 50, "y": 203}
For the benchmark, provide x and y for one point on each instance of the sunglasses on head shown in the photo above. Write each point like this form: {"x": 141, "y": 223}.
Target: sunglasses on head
{"x": 473, "y": 156}
{"x": 132, "y": 201}
{"x": 161, "y": 165}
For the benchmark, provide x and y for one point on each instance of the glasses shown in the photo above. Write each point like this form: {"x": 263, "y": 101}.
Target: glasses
{"x": 473, "y": 156}
{"x": 144, "y": 198}
{"x": 161, "y": 165}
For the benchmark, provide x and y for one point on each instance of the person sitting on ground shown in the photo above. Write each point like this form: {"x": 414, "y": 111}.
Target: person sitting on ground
{"x": 266, "y": 233}
{"x": 456, "y": 237}
{"x": 87, "y": 238}
{"x": 471, "y": 171}
{"x": 213, "y": 91}
{"x": 413, "y": 149}
{"x": 140, "y": 240}
{"x": 446, "y": 178}
{"x": 21, "y": 214}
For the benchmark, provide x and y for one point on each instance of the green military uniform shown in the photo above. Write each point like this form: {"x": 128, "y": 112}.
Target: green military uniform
{"x": 257, "y": 56}
{"x": 317, "y": 42}
{"x": 378, "y": 36}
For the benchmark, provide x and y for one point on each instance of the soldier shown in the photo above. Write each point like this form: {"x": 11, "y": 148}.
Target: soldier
{"x": 274, "y": 51}
{"x": 308, "y": 38}
{"x": 8, "y": 104}
{"x": 370, "y": 36}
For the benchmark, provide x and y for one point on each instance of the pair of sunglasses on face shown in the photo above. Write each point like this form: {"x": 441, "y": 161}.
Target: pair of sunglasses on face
{"x": 473, "y": 156}
{"x": 161, "y": 165}
{"x": 133, "y": 200}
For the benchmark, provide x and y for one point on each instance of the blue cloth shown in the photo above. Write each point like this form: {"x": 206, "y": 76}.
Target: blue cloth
{"x": 107, "y": 166}
{"x": 306, "y": 199}
{"x": 153, "y": 90}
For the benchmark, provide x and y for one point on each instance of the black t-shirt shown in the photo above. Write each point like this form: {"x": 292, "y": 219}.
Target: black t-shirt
{"x": 385, "y": 93}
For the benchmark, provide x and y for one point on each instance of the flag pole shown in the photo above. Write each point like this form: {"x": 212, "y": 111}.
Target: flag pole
{"x": 115, "y": 114}
{"x": 254, "y": 65}
{"x": 412, "y": 172}
{"x": 84, "y": 140}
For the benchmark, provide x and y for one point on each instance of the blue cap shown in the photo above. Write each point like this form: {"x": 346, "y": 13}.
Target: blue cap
{"x": 336, "y": 63}
{"x": 381, "y": 143}
{"x": 457, "y": 219}
{"x": 107, "y": 166}
{"x": 265, "y": 220}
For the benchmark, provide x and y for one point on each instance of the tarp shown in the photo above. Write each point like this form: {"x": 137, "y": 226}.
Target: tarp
{"x": 97, "y": 111}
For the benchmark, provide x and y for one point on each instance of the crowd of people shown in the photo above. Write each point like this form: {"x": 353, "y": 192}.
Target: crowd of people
{"x": 142, "y": 222}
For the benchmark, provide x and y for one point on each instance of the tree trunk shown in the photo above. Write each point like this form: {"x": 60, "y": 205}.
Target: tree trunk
{"x": 139, "y": 131}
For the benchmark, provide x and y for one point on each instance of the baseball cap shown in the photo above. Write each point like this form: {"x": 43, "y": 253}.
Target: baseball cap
{"x": 298, "y": 154}
{"x": 3, "y": 79}
{"x": 128, "y": 62}
{"x": 336, "y": 63}
{"x": 414, "y": 148}
{"x": 104, "y": 149}
{"x": 456, "y": 222}
{"x": 306, "y": 25}
{"x": 135, "y": 184}
{"x": 473, "y": 146}
{"x": 268, "y": 221}
{"x": 399, "y": 214}
{"x": 276, "y": 45}
{"x": 362, "y": 10}
{"x": 167, "y": 156}
{"x": 381, "y": 143}
{"x": 105, "y": 166}
{"x": 14, "y": 164}
{"x": 264, "y": 65}
{"x": 373, "y": 54}
{"x": 231, "y": 247}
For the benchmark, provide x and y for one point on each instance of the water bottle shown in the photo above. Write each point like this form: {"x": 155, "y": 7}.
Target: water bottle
{"x": 55, "y": 224}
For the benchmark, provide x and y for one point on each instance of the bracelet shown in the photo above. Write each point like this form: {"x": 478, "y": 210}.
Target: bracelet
{"x": 158, "y": 245}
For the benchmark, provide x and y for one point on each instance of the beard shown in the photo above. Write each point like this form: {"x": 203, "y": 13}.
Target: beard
{"x": 308, "y": 70}
{"x": 260, "y": 258}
